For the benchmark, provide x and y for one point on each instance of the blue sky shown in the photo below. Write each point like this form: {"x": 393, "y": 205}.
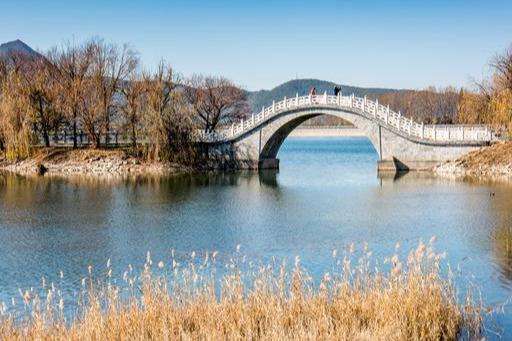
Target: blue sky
{"x": 261, "y": 43}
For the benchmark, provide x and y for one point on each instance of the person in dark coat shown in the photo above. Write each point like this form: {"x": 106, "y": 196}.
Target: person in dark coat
{"x": 337, "y": 90}
{"x": 312, "y": 91}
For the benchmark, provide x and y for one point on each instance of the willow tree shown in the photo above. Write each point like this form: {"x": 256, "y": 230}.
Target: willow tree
{"x": 15, "y": 124}
{"x": 491, "y": 101}
{"x": 473, "y": 107}
{"x": 3, "y": 77}
{"x": 168, "y": 122}
{"x": 501, "y": 103}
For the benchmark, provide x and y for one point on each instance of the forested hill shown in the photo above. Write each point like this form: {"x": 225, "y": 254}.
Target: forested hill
{"x": 258, "y": 99}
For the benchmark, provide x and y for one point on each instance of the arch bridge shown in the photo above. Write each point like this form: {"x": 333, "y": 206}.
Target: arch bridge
{"x": 401, "y": 143}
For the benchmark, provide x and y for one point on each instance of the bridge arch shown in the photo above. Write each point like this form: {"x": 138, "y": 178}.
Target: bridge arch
{"x": 275, "y": 133}
{"x": 281, "y": 129}
{"x": 399, "y": 141}
{"x": 273, "y": 144}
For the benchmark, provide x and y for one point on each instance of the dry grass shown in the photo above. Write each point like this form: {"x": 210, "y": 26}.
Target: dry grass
{"x": 63, "y": 154}
{"x": 495, "y": 155}
{"x": 410, "y": 300}
{"x": 56, "y": 155}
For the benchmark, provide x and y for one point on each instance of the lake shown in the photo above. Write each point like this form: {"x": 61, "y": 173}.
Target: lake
{"x": 326, "y": 196}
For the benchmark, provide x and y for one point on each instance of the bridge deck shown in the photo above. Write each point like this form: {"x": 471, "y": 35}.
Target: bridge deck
{"x": 381, "y": 114}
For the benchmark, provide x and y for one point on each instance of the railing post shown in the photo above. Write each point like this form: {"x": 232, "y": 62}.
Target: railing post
{"x": 325, "y": 97}
{"x": 353, "y": 98}
{"x": 338, "y": 100}
{"x": 422, "y": 130}
{"x": 364, "y": 103}
{"x": 399, "y": 118}
{"x": 285, "y": 106}
{"x": 387, "y": 115}
{"x": 273, "y": 106}
{"x": 252, "y": 119}
{"x": 297, "y": 99}
{"x": 310, "y": 99}
{"x": 376, "y": 107}
{"x": 435, "y": 132}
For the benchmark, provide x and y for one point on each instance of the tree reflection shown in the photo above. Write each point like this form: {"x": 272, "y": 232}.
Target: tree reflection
{"x": 502, "y": 240}
{"x": 501, "y": 236}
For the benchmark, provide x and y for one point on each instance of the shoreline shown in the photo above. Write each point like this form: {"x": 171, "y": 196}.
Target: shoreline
{"x": 489, "y": 163}
{"x": 117, "y": 162}
{"x": 87, "y": 162}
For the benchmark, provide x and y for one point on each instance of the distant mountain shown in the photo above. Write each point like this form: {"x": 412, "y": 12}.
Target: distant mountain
{"x": 19, "y": 48}
{"x": 258, "y": 99}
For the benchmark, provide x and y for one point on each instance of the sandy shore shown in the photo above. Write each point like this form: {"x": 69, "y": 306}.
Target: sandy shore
{"x": 326, "y": 132}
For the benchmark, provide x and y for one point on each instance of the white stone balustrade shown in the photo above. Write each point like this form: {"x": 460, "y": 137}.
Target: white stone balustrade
{"x": 381, "y": 114}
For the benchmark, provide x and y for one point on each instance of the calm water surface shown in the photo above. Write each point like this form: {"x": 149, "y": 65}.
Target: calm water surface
{"x": 326, "y": 196}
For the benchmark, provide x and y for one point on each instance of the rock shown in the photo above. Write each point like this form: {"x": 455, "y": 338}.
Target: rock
{"x": 41, "y": 169}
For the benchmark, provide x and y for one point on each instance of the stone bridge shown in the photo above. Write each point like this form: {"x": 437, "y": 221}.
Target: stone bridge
{"x": 401, "y": 143}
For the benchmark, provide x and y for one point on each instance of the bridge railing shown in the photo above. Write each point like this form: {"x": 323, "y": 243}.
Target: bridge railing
{"x": 371, "y": 109}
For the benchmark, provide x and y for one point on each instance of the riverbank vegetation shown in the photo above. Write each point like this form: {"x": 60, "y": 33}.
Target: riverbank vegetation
{"x": 494, "y": 162}
{"x": 488, "y": 102}
{"x": 97, "y": 94}
{"x": 398, "y": 300}
{"x": 492, "y": 101}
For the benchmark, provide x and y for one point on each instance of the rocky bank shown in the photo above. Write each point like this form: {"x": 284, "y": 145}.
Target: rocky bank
{"x": 491, "y": 162}
{"x": 65, "y": 161}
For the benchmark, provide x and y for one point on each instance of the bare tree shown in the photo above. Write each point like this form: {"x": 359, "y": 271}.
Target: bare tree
{"x": 111, "y": 65}
{"x": 74, "y": 65}
{"x": 134, "y": 91}
{"x": 502, "y": 65}
{"x": 215, "y": 101}
{"x": 91, "y": 113}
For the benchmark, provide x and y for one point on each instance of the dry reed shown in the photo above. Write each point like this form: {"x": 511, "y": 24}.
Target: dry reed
{"x": 401, "y": 301}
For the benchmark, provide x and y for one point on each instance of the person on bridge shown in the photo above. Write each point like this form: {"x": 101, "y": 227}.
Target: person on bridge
{"x": 312, "y": 91}
{"x": 337, "y": 90}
